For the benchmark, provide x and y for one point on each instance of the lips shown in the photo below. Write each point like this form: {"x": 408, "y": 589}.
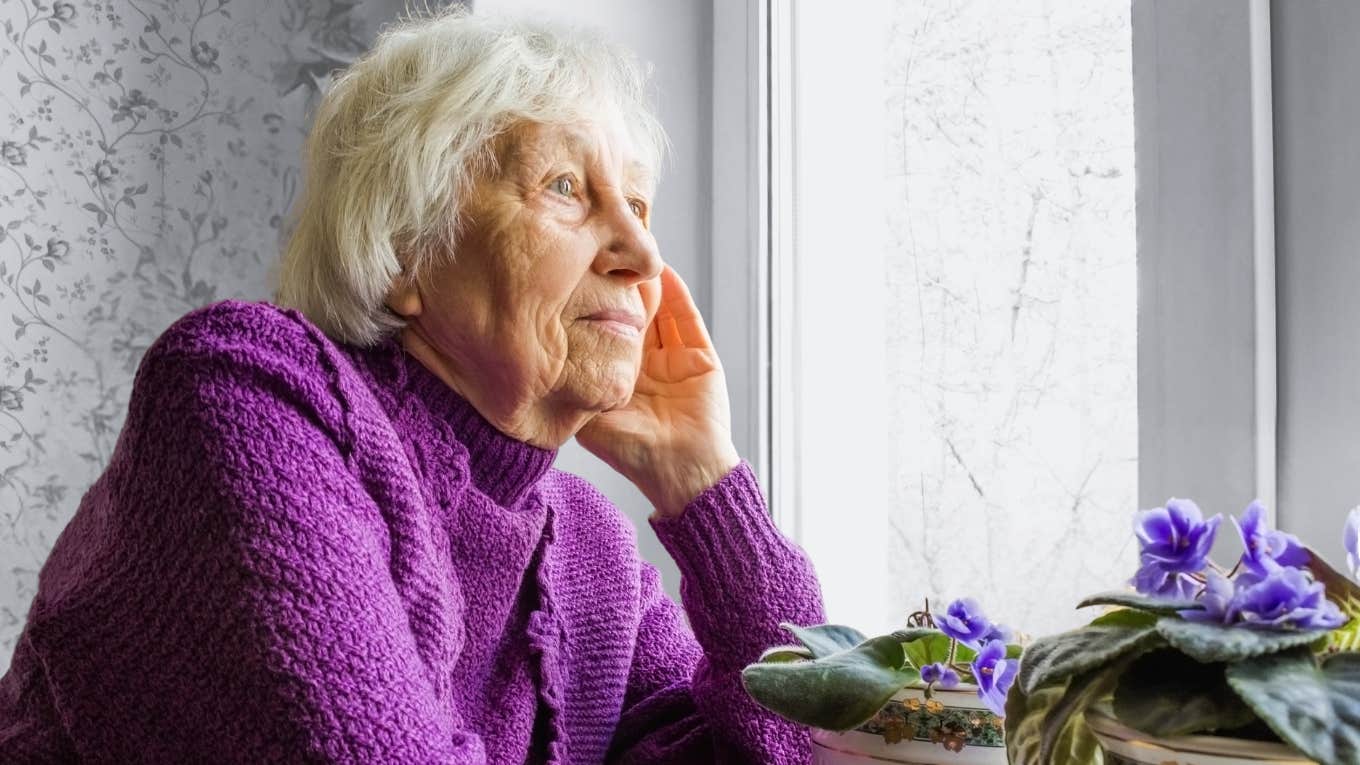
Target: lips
{"x": 619, "y": 316}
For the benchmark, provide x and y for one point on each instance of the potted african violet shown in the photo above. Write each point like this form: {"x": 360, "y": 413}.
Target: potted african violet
{"x": 1257, "y": 664}
{"x": 934, "y": 692}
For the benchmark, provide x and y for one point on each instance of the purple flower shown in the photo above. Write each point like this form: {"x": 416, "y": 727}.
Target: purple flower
{"x": 994, "y": 673}
{"x": 939, "y": 674}
{"x": 1351, "y": 538}
{"x": 1176, "y": 537}
{"x": 949, "y": 678}
{"x": 999, "y": 632}
{"x": 1266, "y": 548}
{"x": 1175, "y": 542}
{"x": 1217, "y": 601}
{"x": 964, "y": 621}
{"x": 1153, "y": 579}
{"x": 1284, "y": 599}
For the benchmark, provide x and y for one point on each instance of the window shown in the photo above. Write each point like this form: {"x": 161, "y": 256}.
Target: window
{"x": 959, "y": 331}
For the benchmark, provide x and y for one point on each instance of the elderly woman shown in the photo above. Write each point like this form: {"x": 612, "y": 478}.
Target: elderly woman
{"x": 331, "y": 530}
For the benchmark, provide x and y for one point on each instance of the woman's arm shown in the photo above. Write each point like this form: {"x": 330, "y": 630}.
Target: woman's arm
{"x": 740, "y": 579}
{"x": 256, "y": 617}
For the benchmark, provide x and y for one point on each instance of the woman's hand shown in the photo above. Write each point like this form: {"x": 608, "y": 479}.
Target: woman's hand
{"x": 673, "y": 439}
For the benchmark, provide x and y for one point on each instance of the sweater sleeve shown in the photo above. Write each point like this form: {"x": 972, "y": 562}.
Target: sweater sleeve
{"x": 259, "y": 620}
{"x": 739, "y": 579}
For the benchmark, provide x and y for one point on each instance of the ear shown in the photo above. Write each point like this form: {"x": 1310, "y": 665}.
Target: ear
{"x": 404, "y": 297}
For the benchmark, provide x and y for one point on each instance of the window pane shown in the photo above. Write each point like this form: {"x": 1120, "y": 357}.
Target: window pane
{"x": 1011, "y": 304}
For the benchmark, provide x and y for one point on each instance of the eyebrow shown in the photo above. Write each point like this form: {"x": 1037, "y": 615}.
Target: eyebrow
{"x": 635, "y": 171}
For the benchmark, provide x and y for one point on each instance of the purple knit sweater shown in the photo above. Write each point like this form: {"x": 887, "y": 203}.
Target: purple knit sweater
{"x": 306, "y": 551}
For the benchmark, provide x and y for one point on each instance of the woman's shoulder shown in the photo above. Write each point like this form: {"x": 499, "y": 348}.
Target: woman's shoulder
{"x": 233, "y": 346}
{"x": 235, "y": 327}
{"x": 241, "y": 339}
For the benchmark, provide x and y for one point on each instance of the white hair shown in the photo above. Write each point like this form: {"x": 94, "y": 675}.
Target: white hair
{"x": 402, "y": 133}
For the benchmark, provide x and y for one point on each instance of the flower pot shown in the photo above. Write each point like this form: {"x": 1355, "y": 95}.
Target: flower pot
{"x": 952, "y": 727}
{"x": 1125, "y": 746}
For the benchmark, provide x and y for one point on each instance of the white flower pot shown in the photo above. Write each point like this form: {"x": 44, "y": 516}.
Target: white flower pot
{"x": 952, "y": 728}
{"x": 1125, "y": 746}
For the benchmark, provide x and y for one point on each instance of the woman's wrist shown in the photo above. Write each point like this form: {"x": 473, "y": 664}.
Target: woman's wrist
{"x": 687, "y": 479}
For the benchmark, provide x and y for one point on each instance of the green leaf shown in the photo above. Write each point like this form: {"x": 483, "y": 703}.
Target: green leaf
{"x": 927, "y": 650}
{"x": 914, "y": 633}
{"x": 1025, "y": 717}
{"x": 1166, "y": 693}
{"x": 1140, "y": 602}
{"x": 1082, "y": 691}
{"x": 921, "y": 643}
{"x": 1316, "y": 709}
{"x": 1125, "y": 617}
{"x": 1346, "y": 594}
{"x": 839, "y": 691}
{"x": 1345, "y": 637}
{"x": 1050, "y": 660}
{"x": 825, "y": 639}
{"x": 785, "y": 653}
{"x": 965, "y": 655}
{"x": 1217, "y": 642}
{"x": 1340, "y": 588}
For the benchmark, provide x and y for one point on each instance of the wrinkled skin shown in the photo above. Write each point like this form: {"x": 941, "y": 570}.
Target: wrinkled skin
{"x": 557, "y": 232}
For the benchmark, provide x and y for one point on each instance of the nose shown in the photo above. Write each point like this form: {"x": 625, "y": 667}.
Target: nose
{"x": 627, "y": 249}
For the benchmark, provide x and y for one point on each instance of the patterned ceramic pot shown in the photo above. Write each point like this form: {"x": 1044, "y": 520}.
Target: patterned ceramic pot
{"x": 953, "y": 727}
{"x": 1125, "y": 746}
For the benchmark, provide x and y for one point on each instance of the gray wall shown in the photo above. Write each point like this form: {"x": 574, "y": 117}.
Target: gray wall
{"x": 1316, "y": 65}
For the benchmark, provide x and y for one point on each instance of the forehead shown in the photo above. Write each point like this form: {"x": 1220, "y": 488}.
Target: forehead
{"x": 602, "y": 144}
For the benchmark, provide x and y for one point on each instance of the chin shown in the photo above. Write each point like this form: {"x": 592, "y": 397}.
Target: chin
{"x": 615, "y": 400}
{"x": 615, "y": 392}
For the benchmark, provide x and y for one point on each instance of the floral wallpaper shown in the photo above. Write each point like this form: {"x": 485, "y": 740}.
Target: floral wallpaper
{"x": 149, "y": 150}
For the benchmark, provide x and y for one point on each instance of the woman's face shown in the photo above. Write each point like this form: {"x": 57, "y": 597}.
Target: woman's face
{"x": 539, "y": 318}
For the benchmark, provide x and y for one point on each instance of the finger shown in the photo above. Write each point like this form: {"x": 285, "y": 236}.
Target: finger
{"x": 670, "y": 331}
{"x": 653, "y": 338}
{"x": 678, "y": 303}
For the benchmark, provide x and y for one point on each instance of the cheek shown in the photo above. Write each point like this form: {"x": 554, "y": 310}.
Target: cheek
{"x": 552, "y": 266}
{"x": 535, "y": 264}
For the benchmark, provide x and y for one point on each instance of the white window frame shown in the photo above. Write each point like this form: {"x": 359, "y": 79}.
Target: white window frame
{"x": 740, "y": 209}
{"x": 755, "y": 303}
{"x": 1205, "y": 236}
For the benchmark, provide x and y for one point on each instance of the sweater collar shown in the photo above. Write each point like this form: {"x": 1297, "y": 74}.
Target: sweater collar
{"x": 502, "y": 467}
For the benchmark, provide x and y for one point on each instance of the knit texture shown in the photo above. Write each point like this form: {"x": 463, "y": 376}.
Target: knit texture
{"x": 303, "y": 551}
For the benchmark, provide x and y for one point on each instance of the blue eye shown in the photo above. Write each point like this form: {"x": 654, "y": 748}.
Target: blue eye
{"x": 565, "y": 185}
